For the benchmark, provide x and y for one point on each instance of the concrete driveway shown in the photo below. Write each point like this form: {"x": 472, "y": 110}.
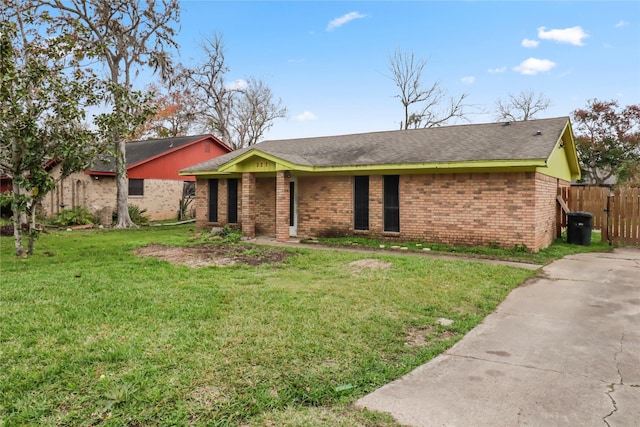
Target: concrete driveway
{"x": 563, "y": 350}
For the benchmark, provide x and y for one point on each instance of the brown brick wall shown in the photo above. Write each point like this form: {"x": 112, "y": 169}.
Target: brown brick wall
{"x": 161, "y": 197}
{"x": 467, "y": 209}
{"x": 202, "y": 203}
{"x": 325, "y": 206}
{"x": 282, "y": 206}
{"x": 266, "y": 206}
{"x": 504, "y": 209}
{"x": 547, "y": 209}
{"x": 247, "y": 216}
{"x": 470, "y": 209}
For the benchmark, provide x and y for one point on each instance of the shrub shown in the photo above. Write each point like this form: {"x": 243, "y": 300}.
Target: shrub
{"x": 75, "y": 216}
{"x": 228, "y": 234}
{"x": 136, "y": 214}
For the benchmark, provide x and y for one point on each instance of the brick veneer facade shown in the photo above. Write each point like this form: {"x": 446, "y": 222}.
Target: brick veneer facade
{"x": 504, "y": 209}
{"x": 161, "y": 197}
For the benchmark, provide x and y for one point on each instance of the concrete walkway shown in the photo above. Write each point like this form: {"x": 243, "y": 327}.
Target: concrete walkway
{"x": 563, "y": 350}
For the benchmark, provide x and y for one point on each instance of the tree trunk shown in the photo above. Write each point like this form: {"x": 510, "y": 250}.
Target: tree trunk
{"x": 17, "y": 220}
{"x": 122, "y": 185}
{"x": 33, "y": 231}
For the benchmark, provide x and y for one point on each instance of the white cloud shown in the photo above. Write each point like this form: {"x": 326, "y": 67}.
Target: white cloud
{"x": 533, "y": 66}
{"x": 339, "y": 22}
{"x": 238, "y": 85}
{"x": 468, "y": 80}
{"x": 530, "y": 43}
{"x": 305, "y": 116}
{"x": 622, "y": 24}
{"x": 573, "y": 35}
{"x": 497, "y": 70}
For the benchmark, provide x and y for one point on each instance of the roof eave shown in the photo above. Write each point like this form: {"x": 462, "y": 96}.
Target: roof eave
{"x": 482, "y": 165}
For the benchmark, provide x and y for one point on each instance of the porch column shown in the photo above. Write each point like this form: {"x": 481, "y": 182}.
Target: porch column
{"x": 282, "y": 207}
{"x": 248, "y": 215}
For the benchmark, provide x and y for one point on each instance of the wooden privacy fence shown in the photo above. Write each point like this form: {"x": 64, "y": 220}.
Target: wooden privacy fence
{"x": 615, "y": 213}
{"x": 624, "y": 216}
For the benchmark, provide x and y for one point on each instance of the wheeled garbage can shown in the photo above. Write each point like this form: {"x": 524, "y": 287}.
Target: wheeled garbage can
{"x": 579, "y": 226}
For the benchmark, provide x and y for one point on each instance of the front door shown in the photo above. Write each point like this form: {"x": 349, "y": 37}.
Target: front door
{"x": 293, "y": 207}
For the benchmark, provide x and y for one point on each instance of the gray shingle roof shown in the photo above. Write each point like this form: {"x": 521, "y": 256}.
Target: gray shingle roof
{"x": 527, "y": 140}
{"x": 139, "y": 151}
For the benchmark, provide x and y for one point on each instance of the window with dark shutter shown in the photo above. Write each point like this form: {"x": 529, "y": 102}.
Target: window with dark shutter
{"x": 232, "y": 198}
{"x": 391, "y": 203}
{"x": 361, "y": 203}
{"x": 213, "y": 200}
{"x": 136, "y": 187}
{"x": 292, "y": 203}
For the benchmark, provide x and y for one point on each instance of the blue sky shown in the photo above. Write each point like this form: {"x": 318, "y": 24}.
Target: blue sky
{"x": 328, "y": 61}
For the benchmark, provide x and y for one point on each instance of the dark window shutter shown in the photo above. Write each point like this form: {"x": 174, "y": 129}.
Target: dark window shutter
{"x": 391, "y": 203}
{"x": 361, "y": 203}
{"x": 292, "y": 203}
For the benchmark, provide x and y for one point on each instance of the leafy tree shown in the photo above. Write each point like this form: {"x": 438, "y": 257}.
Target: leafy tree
{"x": 238, "y": 112}
{"x": 433, "y": 107}
{"x": 177, "y": 110}
{"x": 126, "y": 36}
{"x": 42, "y": 110}
{"x": 522, "y": 107}
{"x": 607, "y": 139}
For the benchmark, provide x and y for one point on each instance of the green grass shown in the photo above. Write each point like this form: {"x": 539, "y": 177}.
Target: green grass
{"x": 559, "y": 249}
{"x": 93, "y": 334}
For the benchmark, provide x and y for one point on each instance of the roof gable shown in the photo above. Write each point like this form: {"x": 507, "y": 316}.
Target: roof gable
{"x": 139, "y": 152}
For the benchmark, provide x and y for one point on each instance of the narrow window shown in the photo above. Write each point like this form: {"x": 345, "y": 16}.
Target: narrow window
{"x": 213, "y": 200}
{"x": 361, "y": 203}
{"x": 292, "y": 203}
{"x": 391, "y": 203}
{"x": 189, "y": 189}
{"x": 232, "y": 200}
{"x": 136, "y": 187}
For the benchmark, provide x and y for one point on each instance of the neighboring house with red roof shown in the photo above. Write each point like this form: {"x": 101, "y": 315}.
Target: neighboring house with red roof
{"x": 152, "y": 170}
{"x": 478, "y": 184}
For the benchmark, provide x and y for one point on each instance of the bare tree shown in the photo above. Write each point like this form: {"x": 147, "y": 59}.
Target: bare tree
{"x": 254, "y": 112}
{"x": 522, "y": 107}
{"x": 433, "y": 106}
{"x": 211, "y": 88}
{"x": 127, "y": 35}
{"x": 238, "y": 112}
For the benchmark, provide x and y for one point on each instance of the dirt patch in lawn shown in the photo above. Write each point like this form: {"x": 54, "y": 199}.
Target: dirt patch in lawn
{"x": 369, "y": 264}
{"x": 220, "y": 255}
{"x": 418, "y": 337}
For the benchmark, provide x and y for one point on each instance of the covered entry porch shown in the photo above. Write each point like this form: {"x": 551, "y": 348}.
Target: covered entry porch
{"x": 257, "y": 203}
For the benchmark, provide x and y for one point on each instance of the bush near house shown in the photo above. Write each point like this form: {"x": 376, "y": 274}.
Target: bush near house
{"x": 75, "y": 216}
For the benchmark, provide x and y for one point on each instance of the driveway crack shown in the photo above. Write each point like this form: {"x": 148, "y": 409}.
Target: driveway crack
{"x": 555, "y": 371}
{"x": 612, "y": 386}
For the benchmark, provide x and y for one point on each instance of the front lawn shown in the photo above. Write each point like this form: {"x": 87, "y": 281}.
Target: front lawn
{"x": 92, "y": 333}
{"x": 558, "y": 249}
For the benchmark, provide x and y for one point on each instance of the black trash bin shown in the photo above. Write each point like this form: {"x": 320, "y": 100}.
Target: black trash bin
{"x": 579, "y": 226}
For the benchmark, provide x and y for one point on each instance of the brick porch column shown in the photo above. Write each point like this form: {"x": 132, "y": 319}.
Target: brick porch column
{"x": 282, "y": 207}
{"x": 248, "y": 215}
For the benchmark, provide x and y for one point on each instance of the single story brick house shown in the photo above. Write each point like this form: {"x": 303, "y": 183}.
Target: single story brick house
{"x": 152, "y": 170}
{"x": 475, "y": 184}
